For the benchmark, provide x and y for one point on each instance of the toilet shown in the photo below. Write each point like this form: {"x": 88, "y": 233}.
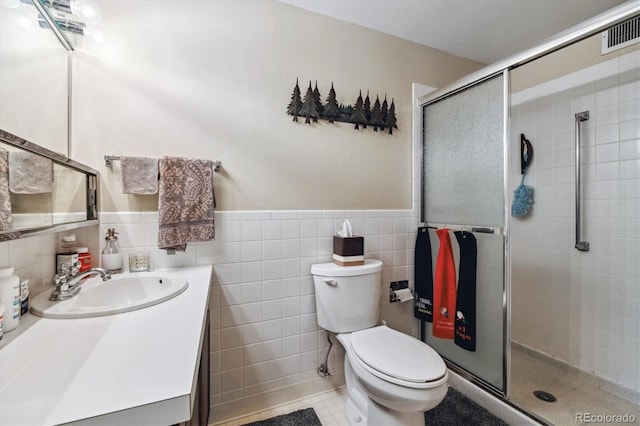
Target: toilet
{"x": 391, "y": 378}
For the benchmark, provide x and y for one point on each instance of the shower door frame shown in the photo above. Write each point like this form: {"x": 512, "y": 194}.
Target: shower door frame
{"x": 500, "y": 230}
{"x": 573, "y": 35}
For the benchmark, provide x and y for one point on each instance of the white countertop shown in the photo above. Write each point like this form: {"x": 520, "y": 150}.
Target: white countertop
{"x": 137, "y": 367}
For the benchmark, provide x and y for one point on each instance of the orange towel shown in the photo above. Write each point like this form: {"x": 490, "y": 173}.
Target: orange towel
{"x": 444, "y": 289}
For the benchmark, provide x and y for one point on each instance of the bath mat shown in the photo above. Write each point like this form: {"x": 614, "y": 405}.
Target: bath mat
{"x": 306, "y": 417}
{"x": 456, "y": 409}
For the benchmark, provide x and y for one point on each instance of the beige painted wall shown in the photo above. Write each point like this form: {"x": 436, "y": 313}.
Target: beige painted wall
{"x": 212, "y": 79}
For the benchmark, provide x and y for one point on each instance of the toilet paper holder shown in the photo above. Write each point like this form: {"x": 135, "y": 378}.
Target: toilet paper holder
{"x": 395, "y": 286}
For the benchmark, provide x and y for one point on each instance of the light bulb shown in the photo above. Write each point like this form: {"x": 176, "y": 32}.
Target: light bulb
{"x": 94, "y": 34}
{"x": 87, "y": 10}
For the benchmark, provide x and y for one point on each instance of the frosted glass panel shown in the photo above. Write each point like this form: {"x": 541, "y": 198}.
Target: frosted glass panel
{"x": 464, "y": 185}
{"x": 463, "y": 157}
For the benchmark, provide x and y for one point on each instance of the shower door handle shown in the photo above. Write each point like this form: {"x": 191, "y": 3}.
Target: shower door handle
{"x": 581, "y": 116}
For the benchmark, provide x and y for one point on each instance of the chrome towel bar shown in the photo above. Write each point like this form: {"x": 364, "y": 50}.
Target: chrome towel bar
{"x": 109, "y": 159}
{"x": 497, "y": 230}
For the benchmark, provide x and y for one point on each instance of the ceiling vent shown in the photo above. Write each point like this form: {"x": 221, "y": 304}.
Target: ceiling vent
{"x": 622, "y": 35}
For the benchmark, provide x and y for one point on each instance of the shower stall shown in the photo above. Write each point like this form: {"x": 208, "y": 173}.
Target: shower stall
{"x": 558, "y": 288}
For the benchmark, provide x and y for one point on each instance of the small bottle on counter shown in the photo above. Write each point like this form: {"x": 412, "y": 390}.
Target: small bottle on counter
{"x": 10, "y": 296}
{"x": 84, "y": 257}
{"x": 24, "y": 297}
{"x": 68, "y": 251}
{"x": 68, "y": 243}
{"x": 111, "y": 258}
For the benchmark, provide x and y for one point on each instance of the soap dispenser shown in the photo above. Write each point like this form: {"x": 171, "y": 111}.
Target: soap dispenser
{"x": 111, "y": 259}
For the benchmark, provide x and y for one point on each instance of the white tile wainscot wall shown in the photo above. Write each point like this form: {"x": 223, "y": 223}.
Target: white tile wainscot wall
{"x": 581, "y": 307}
{"x": 265, "y": 342}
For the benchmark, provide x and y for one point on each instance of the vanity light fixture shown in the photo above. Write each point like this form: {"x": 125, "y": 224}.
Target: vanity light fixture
{"x": 64, "y": 24}
{"x": 87, "y": 11}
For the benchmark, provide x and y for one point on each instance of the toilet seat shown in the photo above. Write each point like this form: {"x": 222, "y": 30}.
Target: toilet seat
{"x": 397, "y": 358}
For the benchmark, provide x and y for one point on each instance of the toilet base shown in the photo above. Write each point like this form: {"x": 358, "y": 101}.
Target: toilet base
{"x": 380, "y": 416}
{"x": 354, "y": 415}
{"x": 363, "y": 411}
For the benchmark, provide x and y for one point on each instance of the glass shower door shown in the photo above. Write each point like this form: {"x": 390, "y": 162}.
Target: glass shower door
{"x": 463, "y": 190}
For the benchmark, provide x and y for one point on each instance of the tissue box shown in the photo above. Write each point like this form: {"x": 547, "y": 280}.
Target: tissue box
{"x": 348, "y": 246}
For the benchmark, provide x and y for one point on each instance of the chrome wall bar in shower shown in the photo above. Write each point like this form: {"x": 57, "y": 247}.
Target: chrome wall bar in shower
{"x": 496, "y": 230}
{"x": 580, "y": 117}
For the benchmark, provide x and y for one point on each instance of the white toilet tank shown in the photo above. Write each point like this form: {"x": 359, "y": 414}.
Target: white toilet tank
{"x": 347, "y": 297}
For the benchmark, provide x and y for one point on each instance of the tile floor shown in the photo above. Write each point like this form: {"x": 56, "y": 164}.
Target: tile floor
{"x": 329, "y": 407}
{"x": 574, "y": 394}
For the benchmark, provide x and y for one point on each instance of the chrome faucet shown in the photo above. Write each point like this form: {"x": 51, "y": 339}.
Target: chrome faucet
{"x": 67, "y": 280}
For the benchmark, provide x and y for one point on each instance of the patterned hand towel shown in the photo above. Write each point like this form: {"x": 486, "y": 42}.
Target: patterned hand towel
{"x": 139, "y": 175}
{"x": 5, "y": 196}
{"x": 30, "y": 173}
{"x": 186, "y": 201}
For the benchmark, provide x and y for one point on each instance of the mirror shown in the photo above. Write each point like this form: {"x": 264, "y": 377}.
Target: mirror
{"x": 40, "y": 189}
{"x": 33, "y": 78}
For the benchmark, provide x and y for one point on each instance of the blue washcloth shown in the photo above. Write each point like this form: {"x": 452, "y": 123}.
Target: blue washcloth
{"x": 522, "y": 199}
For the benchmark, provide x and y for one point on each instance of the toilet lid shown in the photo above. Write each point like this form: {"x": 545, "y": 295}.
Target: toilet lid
{"x": 397, "y": 355}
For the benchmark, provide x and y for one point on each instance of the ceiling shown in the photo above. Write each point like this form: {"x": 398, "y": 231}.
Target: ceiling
{"x": 482, "y": 30}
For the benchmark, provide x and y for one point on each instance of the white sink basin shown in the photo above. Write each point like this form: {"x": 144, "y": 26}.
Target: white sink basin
{"x": 122, "y": 293}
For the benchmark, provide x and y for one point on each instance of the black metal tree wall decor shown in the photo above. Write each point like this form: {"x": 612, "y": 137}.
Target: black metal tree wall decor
{"x": 382, "y": 116}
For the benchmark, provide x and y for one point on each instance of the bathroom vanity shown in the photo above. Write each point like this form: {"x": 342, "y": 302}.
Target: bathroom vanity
{"x": 144, "y": 367}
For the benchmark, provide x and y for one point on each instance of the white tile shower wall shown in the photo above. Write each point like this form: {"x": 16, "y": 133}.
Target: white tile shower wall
{"x": 582, "y": 307}
{"x": 264, "y": 332}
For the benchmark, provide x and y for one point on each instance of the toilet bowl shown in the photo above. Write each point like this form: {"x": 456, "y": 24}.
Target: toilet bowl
{"x": 391, "y": 378}
{"x": 401, "y": 376}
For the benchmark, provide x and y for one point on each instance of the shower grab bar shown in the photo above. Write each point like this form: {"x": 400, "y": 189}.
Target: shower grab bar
{"x": 496, "y": 230}
{"x": 581, "y": 116}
